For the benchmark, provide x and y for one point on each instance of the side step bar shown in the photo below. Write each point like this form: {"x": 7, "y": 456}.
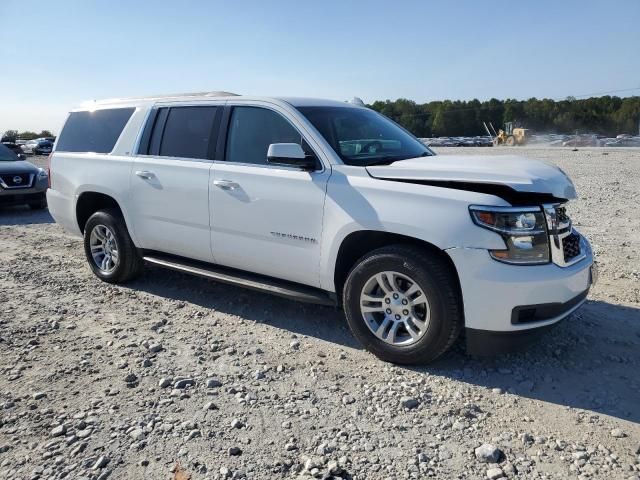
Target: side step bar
{"x": 293, "y": 291}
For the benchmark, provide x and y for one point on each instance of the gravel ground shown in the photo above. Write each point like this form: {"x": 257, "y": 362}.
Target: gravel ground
{"x": 176, "y": 377}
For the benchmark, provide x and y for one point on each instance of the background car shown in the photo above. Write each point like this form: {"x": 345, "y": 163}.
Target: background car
{"x": 39, "y": 146}
{"x": 21, "y": 182}
{"x": 15, "y": 148}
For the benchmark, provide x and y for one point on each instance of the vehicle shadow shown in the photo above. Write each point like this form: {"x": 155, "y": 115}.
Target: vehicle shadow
{"x": 23, "y": 215}
{"x": 326, "y": 323}
{"x": 589, "y": 361}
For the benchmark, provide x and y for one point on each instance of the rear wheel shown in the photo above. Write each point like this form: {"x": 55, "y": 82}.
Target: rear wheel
{"x": 403, "y": 304}
{"x": 109, "y": 249}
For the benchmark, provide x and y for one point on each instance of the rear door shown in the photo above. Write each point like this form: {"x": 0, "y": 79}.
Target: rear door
{"x": 170, "y": 180}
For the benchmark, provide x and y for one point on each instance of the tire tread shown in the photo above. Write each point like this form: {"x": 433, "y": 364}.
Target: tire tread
{"x": 446, "y": 280}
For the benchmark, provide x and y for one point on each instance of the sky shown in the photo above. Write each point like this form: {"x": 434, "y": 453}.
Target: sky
{"x": 55, "y": 55}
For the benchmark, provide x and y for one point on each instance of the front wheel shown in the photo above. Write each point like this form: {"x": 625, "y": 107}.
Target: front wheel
{"x": 403, "y": 304}
{"x": 109, "y": 249}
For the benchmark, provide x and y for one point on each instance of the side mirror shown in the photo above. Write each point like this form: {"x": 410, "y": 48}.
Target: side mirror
{"x": 290, "y": 155}
{"x": 22, "y": 156}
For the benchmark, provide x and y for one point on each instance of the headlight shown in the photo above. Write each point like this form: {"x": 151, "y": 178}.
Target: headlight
{"x": 523, "y": 230}
{"x": 42, "y": 173}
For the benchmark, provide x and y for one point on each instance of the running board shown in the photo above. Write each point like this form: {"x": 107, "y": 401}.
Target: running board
{"x": 252, "y": 281}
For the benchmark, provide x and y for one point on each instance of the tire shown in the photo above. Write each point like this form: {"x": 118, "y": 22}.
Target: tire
{"x": 511, "y": 141}
{"x": 106, "y": 229}
{"x": 440, "y": 315}
{"x": 38, "y": 204}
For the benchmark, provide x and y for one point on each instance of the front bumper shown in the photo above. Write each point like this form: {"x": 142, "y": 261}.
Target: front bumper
{"x": 487, "y": 342}
{"x": 21, "y": 196}
{"x": 500, "y": 299}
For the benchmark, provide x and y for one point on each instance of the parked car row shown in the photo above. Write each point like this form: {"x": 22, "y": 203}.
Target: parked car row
{"x": 585, "y": 140}
{"x": 479, "y": 141}
{"x": 39, "y": 146}
{"x": 550, "y": 140}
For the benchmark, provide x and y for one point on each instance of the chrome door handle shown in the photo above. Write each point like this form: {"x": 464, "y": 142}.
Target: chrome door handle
{"x": 226, "y": 184}
{"x": 145, "y": 174}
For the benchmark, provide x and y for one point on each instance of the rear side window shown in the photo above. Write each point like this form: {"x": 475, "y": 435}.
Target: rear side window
{"x": 96, "y": 131}
{"x": 187, "y": 132}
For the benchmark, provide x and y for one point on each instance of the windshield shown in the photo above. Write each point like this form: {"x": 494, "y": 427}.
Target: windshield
{"x": 6, "y": 155}
{"x": 363, "y": 137}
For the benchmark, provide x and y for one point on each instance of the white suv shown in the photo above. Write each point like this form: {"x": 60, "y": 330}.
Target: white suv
{"x": 325, "y": 202}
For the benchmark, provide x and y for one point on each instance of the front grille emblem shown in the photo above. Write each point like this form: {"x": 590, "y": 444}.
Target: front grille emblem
{"x": 17, "y": 180}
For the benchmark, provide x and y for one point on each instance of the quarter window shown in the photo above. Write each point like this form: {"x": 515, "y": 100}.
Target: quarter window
{"x": 188, "y": 132}
{"x": 96, "y": 131}
{"x": 252, "y": 130}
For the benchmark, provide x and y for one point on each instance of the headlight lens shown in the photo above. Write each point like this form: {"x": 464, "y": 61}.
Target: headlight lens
{"x": 42, "y": 173}
{"x": 522, "y": 229}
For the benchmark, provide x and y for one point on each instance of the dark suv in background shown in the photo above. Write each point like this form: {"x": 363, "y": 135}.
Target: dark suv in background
{"x": 21, "y": 182}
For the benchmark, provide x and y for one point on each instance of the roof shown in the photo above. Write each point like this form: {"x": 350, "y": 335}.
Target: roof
{"x": 314, "y": 102}
{"x": 170, "y": 96}
{"x": 294, "y": 101}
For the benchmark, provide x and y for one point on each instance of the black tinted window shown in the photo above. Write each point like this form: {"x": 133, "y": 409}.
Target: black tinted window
{"x": 252, "y": 130}
{"x": 6, "y": 155}
{"x": 96, "y": 131}
{"x": 188, "y": 132}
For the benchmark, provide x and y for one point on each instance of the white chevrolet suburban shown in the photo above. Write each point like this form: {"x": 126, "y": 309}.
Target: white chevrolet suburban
{"x": 325, "y": 202}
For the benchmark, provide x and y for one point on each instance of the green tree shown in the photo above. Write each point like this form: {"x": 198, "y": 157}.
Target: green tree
{"x": 10, "y": 136}
{"x": 605, "y": 115}
{"x": 27, "y": 135}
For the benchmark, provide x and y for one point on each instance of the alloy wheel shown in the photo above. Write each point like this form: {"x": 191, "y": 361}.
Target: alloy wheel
{"x": 395, "y": 308}
{"x": 104, "y": 248}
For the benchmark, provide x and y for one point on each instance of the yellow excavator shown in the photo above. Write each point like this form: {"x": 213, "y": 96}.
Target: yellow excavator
{"x": 509, "y": 136}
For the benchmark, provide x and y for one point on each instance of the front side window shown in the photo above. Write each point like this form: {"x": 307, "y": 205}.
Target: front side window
{"x": 252, "y": 130}
{"x": 96, "y": 131}
{"x": 188, "y": 132}
{"x": 363, "y": 137}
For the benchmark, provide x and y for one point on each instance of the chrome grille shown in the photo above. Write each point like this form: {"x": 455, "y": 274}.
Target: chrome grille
{"x": 571, "y": 246}
{"x": 564, "y": 241}
{"x": 16, "y": 180}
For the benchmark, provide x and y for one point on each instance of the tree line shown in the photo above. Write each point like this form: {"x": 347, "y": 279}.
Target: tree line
{"x": 606, "y": 115}
{"x": 13, "y": 135}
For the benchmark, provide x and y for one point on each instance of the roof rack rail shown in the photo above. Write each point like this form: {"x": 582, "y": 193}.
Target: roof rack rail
{"x": 165, "y": 96}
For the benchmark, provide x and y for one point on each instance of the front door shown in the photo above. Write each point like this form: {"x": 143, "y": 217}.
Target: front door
{"x": 264, "y": 218}
{"x": 170, "y": 187}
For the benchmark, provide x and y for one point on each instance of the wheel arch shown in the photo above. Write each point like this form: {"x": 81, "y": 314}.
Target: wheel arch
{"x": 357, "y": 244}
{"x": 90, "y": 201}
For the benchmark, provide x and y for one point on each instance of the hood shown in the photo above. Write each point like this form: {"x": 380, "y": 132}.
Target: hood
{"x": 18, "y": 167}
{"x": 494, "y": 174}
